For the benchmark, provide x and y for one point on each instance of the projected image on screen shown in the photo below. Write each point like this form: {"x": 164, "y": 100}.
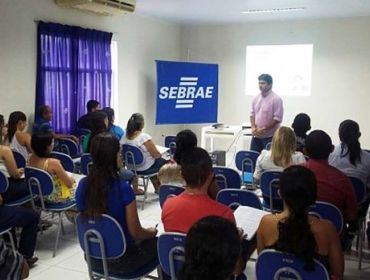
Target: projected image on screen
{"x": 289, "y": 65}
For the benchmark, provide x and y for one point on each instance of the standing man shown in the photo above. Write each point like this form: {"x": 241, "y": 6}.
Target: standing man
{"x": 266, "y": 114}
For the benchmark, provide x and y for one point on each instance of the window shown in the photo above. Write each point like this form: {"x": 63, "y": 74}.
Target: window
{"x": 289, "y": 65}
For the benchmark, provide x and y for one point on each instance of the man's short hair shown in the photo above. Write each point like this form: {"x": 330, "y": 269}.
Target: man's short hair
{"x": 196, "y": 165}
{"x": 318, "y": 145}
{"x": 267, "y": 78}
{"x": 41, "y": 110}
{"x": 92, "y": 104}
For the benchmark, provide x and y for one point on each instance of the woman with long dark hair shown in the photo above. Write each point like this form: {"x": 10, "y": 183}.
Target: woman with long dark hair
{"x": 135, "y": 136}
{"x": 105, "y": 192}
{"x": 294, "y": 231}
{"x": 112, "y": 128}
{"x": 212, "y": 250}
{"x": 348, "y": 156}
{"x": 19, "y": 140}
{"x": 99, "y": 124}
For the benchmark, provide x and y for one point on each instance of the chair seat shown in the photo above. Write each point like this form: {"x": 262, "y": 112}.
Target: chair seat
{"x": 61, "y": 206}
{"x": 20, "y": 201}
{"x": 145, "y": 270}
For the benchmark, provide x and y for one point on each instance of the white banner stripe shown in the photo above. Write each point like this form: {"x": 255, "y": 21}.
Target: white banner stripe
{"x": 189, "y": 79}
{"x": 184, "y": 106}
{"x": 188, "y": 83}
{"x": 179, "y": 101}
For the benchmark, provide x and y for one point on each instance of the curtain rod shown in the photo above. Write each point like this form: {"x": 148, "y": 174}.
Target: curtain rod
{"x": 38, "y": 20}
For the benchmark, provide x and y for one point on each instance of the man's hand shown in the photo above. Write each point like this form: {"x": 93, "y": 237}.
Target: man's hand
{"x": 254, "y": 130}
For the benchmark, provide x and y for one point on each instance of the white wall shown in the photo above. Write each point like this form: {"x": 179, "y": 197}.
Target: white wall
{"x": 341, "y": 68}
{"x": 140, "y": 42}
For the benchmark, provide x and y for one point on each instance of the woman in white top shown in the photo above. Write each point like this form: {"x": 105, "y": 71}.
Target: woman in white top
{"x": 153, "y": 160}
{"x": 348, "y": 156}
{"x": 283, "y": 153}
{"x": 19, "y": 140}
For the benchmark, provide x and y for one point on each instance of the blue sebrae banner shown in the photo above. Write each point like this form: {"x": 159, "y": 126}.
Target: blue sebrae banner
{"x": 187, "y": 92}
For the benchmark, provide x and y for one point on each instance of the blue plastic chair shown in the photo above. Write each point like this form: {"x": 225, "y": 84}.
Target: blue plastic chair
{"x": 234, "y": 198}
{"x": 133, "y": 159}
{"x": 327, "y": 211}
{"x": 245, "y": 161}
{"x": 269, "y": 185}
{"x": 170, "y": 142}
{"x": 65, "y": 160}
{"x": 69, "y": 147}
{"x": 227, "y": 178}
{"x": 19, "y": 159}
{"x": 86, "y": 164}
{"x": 41, "y": 184}
{"x": 361, "y": 197}
{"x": 4, "y": 185}
{"x": 268, "y": 146}
{"x": 273, "y": 264}
{"x": 166, "y": 191}
{"x": 103, "y": 238}
{"x": 171, "y": 252}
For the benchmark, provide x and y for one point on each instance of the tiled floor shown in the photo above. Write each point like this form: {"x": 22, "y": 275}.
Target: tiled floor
{"x": 69, "y": 262}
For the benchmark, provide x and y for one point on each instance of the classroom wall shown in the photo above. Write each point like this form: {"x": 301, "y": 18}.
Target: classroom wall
{"x": 341, "y": 68}
{"x": 140, "y": 41}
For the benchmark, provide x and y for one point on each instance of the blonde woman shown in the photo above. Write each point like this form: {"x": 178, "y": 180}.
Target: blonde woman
{"x": 282, "y": 154}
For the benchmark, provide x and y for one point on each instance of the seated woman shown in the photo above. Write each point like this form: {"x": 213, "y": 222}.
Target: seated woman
{"x": 112, "y": 128}
{"x": 104, "y": 192}
{"x": 211, "y": 251}
{"x": 17, "y": 186}
{"x": 153, "y": 160}
{"x": 170, "y": 173}
{"x": 295, "y": 231}
{"x": 300, "y": 125}
{"x": 19, "y": 140}
{"x": 348, "y": 156}
{"x": 283, "y": 153}
{"x": 42, "y": 144}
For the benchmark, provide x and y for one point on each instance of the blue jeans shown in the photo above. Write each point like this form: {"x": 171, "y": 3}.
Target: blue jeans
{"x": 258, "y": 144}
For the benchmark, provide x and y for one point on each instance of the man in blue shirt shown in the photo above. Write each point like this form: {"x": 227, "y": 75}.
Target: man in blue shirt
{"x": 43, "y": 117}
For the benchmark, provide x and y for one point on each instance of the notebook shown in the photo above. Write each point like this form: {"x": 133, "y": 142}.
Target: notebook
{"x": 248, "y": 219}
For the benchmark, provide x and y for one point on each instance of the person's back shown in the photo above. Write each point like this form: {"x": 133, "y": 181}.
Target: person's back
{"x": 294, "y": 231}
{"x": 181, "y": 212}
{"x": 283, "y": 153}
{"x": 332, "y": 185}
{"x": 348, "y": 156}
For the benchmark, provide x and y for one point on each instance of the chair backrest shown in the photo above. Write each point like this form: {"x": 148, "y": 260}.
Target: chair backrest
{"x": 4, "y": 182}
{"x": 270, "y": 183}
{"x": 86, "y": 164}
{"x": 133, "y": 156}
{"x": 100, "y": 238}
{"x": 39, "y": 183}
{"x": 359, "y": 188}
{"x": 68, "y": 146}
{"x": 19, "y": 159}
{"x": 328, "y": 211}
{"x": 170, "y": 142}
{"x": 245, "y": 161}
{"x": 83, "y": 132}
{"x": 233, "y": 198}
{"x": 276, "y": 265}
{"x": 171, "y": 252}
{"x": 166, "y": 191}
{"x": 65, "y": 160}
{"x": 227, "y": 178}
{"x": 268, "y": 146}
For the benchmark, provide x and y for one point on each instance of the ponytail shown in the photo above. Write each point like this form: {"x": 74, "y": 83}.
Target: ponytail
{"x": 298, "y": 190}
{"x": 135, "y": 123}
{"x": 349, "y": 133}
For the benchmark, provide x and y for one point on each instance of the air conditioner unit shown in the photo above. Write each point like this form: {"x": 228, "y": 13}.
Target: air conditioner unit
{"x": 101, "y": 7}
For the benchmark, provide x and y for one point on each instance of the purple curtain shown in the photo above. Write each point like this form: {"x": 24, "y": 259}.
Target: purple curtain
{"x": 73, "y": 66}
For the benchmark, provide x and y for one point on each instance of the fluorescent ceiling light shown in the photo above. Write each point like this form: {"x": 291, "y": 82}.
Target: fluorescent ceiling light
{"x": 276, "y": 10}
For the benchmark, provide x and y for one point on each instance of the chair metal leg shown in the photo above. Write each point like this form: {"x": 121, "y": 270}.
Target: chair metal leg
{"x": 62, "y": 225}
{"x": 146, "y": 182}
{"x": 58, "y": 234}
{"x": 12, "y": 243}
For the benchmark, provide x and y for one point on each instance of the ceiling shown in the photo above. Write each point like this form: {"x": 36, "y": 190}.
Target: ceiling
{"x": 230, "y": 11}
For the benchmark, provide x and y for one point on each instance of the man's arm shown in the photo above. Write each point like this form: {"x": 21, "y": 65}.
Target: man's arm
{"x": 63, "y": 136}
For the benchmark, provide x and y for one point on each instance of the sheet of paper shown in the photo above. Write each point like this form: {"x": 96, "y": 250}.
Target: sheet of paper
{"x": 248, "y": 218}
{"x": 162, "y": 149}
